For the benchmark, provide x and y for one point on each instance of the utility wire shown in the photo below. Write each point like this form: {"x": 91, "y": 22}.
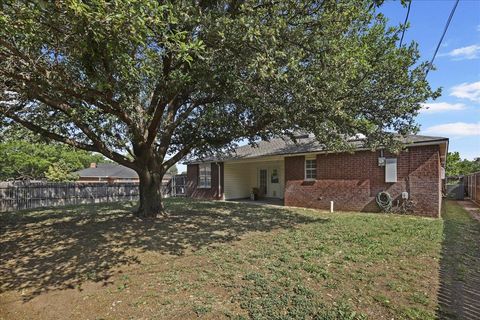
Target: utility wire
{"x": 405, "y": 23}
{"x": 430, "y": 65}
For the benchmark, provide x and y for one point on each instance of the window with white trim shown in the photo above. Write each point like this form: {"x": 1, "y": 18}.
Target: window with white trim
{"x": 310, "y": 169}
{"x": 205, "y": 175}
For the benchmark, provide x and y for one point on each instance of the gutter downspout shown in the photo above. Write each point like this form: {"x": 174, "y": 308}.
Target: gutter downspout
{"x": 220, "y": 197}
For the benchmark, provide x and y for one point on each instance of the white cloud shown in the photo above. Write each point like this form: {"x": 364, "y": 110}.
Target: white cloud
{"x": 455, "y": 129}
{"x": 469, "y": 52}
{"x": 441, "y": 106}
{"x": 470, "y": 91}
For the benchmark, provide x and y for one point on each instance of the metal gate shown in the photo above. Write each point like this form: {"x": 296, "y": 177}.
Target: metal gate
{"x": 455, "y": 188}
{"x": 177, "y": 186}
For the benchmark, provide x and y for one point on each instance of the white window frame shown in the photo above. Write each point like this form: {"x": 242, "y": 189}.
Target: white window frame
{"x": 204, "y": 176}
{"x": 310, "y": 169}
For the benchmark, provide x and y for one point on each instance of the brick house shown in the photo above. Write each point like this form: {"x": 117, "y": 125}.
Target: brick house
{"x": 303, "y": 174}
{"x": 111, "y": 173}
{"x": 106, "y": 173}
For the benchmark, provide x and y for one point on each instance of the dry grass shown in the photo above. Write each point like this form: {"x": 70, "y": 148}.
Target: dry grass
{"x": 217, "y": 260}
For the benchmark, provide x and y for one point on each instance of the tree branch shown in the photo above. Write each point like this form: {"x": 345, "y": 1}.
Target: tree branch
{"x": 178, "y": 156}
{"x": 50, "y": 135}
{"x": 96, "y": 140}
{"x": 89, "y": 95}
{"x": 156, "y": 96}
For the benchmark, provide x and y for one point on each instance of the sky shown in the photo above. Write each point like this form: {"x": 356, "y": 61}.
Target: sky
{"x": 456, "y": 114}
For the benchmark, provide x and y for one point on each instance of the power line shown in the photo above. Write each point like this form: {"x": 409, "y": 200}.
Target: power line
{"x": 405, "y": 23}
{"x": 443, "y": 35}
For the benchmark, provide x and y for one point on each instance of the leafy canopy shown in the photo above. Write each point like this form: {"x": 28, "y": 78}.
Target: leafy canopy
{"x": 59, "y": 172}
{"x": 24, "y": 159}
{"x": 146, "y": 82}
{"x": 458, "y": 167}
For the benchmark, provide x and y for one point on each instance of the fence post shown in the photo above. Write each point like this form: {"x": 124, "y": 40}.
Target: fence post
{"x": 475, "y": 194}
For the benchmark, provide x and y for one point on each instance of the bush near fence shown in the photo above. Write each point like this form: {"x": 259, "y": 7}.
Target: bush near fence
{"x": 472, "y": 185}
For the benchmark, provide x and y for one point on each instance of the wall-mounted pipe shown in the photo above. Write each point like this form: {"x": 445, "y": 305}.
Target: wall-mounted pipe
{"x": 219, "y": 182}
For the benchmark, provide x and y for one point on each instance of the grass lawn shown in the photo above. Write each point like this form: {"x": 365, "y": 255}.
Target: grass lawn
{"x": 218, "y": 260}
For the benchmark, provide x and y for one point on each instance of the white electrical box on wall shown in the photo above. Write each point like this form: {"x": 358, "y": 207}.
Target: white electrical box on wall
{"x": 391, "y": 170}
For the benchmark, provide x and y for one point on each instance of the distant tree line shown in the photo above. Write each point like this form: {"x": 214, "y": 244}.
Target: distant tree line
{"x": 23, "y": 156}
{"x": 457, "y": 167}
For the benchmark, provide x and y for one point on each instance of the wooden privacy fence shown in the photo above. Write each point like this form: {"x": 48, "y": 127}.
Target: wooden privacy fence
{"x": 28, "y": 195}
{"x": 472, "y": 186}
{"x": 20, "y": 195}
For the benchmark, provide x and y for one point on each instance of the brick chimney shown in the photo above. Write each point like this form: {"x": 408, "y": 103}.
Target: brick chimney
{"x": 93, "y": 165}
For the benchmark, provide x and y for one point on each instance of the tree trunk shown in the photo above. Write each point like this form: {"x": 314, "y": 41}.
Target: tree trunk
{"x": 151, "y": 205}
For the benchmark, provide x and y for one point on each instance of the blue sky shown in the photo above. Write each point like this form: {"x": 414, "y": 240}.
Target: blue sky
{"x": 456, "y": 114}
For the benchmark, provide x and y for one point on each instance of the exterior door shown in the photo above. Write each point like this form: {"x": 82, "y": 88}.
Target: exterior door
{"x": 274, "y": 183}
{"x": 262, "y": 182}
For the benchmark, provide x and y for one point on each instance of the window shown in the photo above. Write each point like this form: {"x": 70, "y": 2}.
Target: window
{"x": 274, "y": 177}
{"x": 311, "y": 169}
{"x": 204, "y": 175}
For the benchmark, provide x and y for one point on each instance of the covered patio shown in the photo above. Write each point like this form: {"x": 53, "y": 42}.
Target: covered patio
{"x": 266, "y": 176}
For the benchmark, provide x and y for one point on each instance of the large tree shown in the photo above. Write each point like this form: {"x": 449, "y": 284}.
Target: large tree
{"x": 146, "y": 82}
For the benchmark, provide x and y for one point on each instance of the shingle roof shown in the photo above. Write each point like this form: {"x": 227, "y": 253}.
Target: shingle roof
{"x": 283, "y": 146}
{"x": 108, "y": 170}
{"x": 105, "y": 170}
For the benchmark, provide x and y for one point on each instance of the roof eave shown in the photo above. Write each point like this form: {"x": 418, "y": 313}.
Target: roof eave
{"x": 411, "y": 144}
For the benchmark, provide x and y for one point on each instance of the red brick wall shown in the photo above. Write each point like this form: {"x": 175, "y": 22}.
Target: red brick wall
{"x": 205, "y": 193}
{"x": 296, "y": 168}
{"x": 353, "y": 180}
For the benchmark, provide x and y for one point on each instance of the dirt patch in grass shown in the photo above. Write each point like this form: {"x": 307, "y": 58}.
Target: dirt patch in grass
{"x": 459, "y": 294}
{"x": 471, "y": 207}
{"x": 217, "y": 260}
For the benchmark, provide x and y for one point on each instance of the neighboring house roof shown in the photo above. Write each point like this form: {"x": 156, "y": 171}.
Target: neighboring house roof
{"x": 105, "y": 170}
{"x": 306, "y": 144}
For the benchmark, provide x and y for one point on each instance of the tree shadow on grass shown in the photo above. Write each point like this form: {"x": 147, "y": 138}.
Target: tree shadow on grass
{"x": 459, "y": 294}
{"x": 61, "y": 248}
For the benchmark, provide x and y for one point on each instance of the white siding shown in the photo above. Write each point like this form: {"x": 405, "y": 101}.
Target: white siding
{"x": 237, "y": 180}
{"x": 241, "y": 177}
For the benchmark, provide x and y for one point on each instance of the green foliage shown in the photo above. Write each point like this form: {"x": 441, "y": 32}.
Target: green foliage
{"x": 24, "y": 159}
{"x": 59, "y": 172}
{"x": 115, "y": 71}
{"x": 456, "y": 166}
